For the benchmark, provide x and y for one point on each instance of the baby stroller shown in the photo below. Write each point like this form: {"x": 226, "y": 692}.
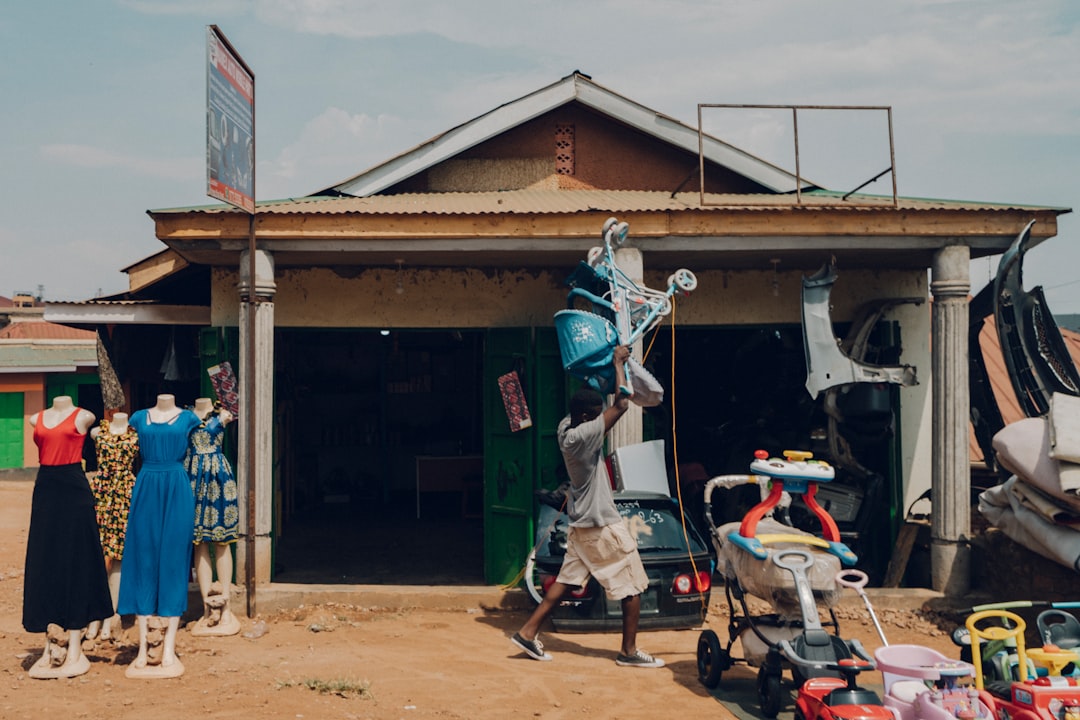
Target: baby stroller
{"x": 621, "y": 312}
{"x": 794, "y": 571}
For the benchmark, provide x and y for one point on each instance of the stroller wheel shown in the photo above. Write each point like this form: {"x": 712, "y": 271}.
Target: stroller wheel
{"x": 595, "y": 253}
{"x": 683, "y": 279}
{"x": 768, "y": 692}
{"x": 619, "y": 233}
{"x": 712, "y": 660}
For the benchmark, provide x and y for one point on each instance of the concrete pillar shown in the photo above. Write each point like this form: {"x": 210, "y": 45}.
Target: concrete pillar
{"x": 263, "y": 339}
{"x": 628, "y": 430}
{"x": 950, "y": 527}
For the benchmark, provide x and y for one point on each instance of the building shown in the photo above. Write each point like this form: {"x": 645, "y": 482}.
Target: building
{"x": 386, "y": 306}
{"x": 38, "y": 361}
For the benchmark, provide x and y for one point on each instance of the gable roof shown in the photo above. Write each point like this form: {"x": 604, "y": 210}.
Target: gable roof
{"x": 576, "y": 87}
{"x": 42, "y": 330}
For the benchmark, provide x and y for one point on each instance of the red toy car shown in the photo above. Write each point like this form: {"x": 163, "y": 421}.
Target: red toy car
{"x": 1049, "y": 697}
{"x": 836, "y": 698}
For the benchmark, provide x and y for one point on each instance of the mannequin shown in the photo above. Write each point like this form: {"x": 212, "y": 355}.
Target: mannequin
{"x": 117, "y": 446}
{"x": 216, "y": 518}
{"x": 157, "y": 547}
{"x": 65, "y": 584}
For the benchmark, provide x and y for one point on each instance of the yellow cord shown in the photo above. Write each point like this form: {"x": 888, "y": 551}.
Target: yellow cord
{"x": 675, "y": 458}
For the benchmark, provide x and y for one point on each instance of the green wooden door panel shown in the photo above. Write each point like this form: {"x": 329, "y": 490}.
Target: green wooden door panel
{"x": 11, "y": 430}
{"x": 517, "y": 463}
{"x": 551, "y": 396}
{"x": 508, "y": 460}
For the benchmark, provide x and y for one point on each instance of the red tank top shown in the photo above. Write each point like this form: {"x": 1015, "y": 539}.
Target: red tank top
{"x": 60, "y": 445}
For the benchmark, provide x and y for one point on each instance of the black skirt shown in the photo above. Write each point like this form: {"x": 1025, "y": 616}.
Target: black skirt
{"x": 65, "y": 580}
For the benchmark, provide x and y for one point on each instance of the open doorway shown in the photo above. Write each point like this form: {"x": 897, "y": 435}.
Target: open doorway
{"x": 741, "y": 389}
{"x": 379, "y": 445}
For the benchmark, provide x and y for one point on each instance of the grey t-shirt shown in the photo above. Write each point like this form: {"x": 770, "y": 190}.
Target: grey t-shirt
{"x": 590, "y": 503}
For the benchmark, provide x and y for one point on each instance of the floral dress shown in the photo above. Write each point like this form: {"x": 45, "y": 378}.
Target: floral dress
{"x": 217, "y": 514}
{"x": 112, "y": 485}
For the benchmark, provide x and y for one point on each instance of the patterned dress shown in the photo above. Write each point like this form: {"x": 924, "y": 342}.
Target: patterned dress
{"x": 112, "y": 485}
{"x": 217, "y": 515}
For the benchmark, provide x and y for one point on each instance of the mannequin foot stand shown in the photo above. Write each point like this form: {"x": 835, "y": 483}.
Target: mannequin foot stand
{"x": 217, "y": 620}
{"x": 63, "y": 656}
{"x": 157, "y": 656}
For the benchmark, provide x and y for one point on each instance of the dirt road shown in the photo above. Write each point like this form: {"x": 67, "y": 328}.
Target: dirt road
{"x": 345, "y": 661}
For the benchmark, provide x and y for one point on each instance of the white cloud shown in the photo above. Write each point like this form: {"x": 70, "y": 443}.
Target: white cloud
{"x": 85, "y": 156}
{"x": 215, "y": 8}
{"x": 333, "y": 146}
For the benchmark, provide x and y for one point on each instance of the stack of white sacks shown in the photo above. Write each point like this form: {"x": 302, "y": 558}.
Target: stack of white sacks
{"x": 1039, "y": 506}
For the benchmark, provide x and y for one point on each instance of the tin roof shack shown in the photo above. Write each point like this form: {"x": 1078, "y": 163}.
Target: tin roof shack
{"x": 38, "y": 361}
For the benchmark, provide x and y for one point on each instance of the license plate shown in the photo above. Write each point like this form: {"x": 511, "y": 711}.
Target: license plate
{"x": 650, "y": 604}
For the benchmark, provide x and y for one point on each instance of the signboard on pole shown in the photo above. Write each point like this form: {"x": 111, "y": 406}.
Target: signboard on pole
{"x": 230, "y": 124}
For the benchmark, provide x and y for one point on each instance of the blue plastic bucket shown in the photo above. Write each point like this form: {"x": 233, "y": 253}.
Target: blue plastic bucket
{"x": 587, "y": 346}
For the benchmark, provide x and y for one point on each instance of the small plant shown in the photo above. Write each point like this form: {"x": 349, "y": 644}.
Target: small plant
{"x": 338, "y": 686}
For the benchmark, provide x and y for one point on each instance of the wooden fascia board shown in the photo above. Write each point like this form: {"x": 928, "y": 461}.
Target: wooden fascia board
{"x": 148, "y": 273}
{"x": 179, "y": 231}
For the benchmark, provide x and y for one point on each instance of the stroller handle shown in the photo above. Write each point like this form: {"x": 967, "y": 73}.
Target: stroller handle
{"x": 858, "y": 583}
{"x": 727, "y": 482}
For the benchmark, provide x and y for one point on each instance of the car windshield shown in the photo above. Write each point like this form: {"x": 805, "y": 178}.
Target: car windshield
{"x": 656, "y": 524}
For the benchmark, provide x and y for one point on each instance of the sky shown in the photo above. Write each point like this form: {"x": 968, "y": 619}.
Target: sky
{"x": 104, "y": 102}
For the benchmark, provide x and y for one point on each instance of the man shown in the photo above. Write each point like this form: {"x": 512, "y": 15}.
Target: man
{"x": 598, "y": 543}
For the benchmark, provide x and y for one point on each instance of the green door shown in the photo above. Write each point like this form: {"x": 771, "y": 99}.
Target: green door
{"x": 11, "y": 430}
{"x": 517, "y": 463}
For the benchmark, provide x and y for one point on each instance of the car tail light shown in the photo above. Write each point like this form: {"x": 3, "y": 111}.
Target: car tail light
{"x": 704, "y": 581}
{"x": 684, "y": 584}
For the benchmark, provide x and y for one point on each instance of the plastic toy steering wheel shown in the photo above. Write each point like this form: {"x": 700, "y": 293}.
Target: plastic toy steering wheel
{"x": 996, "y": 633}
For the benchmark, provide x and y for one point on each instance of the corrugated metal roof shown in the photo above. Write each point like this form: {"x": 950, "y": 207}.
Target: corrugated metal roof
{"x": 41, "y": 330}
{"x": 547, "y": 201}
{"x": 39, "y": 357}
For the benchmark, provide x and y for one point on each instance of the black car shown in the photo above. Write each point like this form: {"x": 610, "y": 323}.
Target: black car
{"x": 680, "y": 575}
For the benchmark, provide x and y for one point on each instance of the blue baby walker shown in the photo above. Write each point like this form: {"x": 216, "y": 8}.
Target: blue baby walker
{"x": 621, "y": 313}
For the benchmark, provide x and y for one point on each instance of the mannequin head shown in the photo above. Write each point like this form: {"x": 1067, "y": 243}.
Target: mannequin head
{"x": 62, "y": 402}
{"x": 203, "y": 407}
{"x": 166, "y": 402}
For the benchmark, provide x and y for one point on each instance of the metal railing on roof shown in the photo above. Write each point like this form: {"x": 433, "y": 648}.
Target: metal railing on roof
{"x": 795, "y": 132}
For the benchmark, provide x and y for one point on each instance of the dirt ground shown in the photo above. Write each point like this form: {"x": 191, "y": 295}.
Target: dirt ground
{"x": 345, "y": 661}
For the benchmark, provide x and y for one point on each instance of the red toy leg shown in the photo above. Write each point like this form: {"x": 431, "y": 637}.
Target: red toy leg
{"x": 828, "y": 526}
{"x": 749, "y": 523}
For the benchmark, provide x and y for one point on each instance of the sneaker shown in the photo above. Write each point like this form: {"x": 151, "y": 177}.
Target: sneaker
{"x": 640, "y": 659}
{"x": 533, "y": 648}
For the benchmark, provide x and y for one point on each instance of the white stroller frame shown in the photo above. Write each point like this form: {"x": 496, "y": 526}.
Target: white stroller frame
{"x": 637, "y": 309}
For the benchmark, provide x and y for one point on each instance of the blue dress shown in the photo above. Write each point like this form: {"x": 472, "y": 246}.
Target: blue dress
{"x": 217, "y": 514}
{"x": 157, "y": 548}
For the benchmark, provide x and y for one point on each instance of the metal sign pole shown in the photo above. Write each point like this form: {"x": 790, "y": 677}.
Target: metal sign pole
{"x": 249, "y": 392}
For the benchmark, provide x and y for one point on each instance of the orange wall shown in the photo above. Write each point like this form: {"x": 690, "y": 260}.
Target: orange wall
{"x": 32, "y": 385}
